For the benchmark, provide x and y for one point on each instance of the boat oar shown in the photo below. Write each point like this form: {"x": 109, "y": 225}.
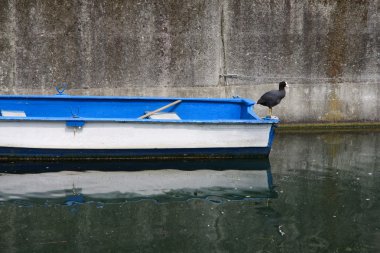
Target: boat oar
{"x": 160, "y": 109}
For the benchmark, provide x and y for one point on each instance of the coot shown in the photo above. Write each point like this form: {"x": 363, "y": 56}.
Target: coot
{"x": 273, "y": 97}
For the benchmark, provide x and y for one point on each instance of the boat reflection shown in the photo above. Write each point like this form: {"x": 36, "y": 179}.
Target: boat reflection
{"x": 78, "y": 182}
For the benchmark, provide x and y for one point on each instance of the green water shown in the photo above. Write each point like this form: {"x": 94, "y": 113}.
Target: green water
{"x": 318, "y": 192}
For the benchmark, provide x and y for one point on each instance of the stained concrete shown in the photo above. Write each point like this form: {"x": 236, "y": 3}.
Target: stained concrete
{"x": 328, "y": 50}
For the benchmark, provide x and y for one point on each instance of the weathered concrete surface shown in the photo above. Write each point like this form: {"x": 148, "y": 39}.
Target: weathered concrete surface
{"x": 109, "y": 44}
{"x": 328, "y": 50}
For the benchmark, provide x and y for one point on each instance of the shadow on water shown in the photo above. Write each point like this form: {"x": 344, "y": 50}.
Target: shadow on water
{"x": 76, "y": 182}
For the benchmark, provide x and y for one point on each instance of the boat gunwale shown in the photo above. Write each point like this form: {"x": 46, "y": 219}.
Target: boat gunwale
{"x": 132, "y": 120}
{"x": 126, "y": 98}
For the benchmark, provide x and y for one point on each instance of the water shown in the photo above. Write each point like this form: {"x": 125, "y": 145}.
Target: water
{"x": 319, "y": 192}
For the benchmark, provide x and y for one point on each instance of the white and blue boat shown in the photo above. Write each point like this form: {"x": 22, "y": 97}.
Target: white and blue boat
{"x": 100, "y": 127}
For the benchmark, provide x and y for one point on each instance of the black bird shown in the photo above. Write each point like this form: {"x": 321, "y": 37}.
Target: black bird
{"x": 273, "y": 97}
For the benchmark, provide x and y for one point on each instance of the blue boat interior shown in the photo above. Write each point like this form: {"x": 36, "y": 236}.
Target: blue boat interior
{"x": 66, "y": 107}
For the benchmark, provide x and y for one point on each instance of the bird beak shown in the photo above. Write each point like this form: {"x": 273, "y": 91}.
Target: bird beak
{"x": 287, "y": 85}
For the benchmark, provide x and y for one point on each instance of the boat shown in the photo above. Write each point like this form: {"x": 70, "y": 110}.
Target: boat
{"x": 108, "y": 127}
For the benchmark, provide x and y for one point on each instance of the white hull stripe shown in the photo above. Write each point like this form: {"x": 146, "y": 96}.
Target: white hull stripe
{"x": 116, "y": 135}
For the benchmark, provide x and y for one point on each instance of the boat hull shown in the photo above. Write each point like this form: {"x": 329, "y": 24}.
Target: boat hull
{"x": 107, "y": 140}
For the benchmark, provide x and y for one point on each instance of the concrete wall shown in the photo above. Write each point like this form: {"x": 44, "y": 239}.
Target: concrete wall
{"x": 327, "y": 50}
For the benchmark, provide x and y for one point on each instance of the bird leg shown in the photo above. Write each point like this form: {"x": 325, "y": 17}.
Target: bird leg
{"x": 270, "y": 112}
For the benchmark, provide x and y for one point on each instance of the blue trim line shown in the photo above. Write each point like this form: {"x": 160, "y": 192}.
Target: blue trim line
{"x": 9, "y": 153}
{"x": 136, "y": 165}
{"x": 271, "y": 135}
